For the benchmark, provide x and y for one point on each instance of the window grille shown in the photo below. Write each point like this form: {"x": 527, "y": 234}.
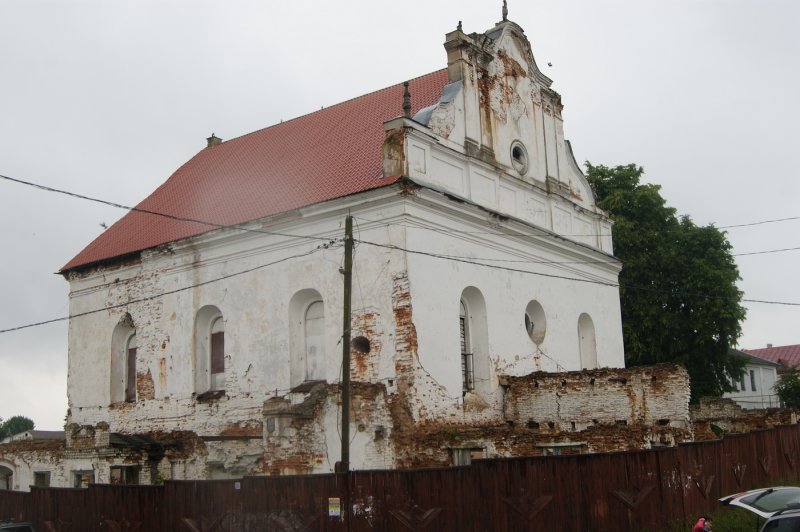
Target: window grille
{"x": 467, "y": 368}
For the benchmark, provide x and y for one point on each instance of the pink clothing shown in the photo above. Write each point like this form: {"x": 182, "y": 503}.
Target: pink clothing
{"x": 699, "y": 526}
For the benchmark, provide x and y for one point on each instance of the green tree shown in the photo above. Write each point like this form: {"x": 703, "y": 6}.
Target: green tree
{"x": 678, "y": 288}
{"x": 15, "y": 425}
{"x": 788, "y": 387}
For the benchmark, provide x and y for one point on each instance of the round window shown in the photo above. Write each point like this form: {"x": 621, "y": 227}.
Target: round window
{"x": 535, "y": 322}
{"x": 519, "y": 157}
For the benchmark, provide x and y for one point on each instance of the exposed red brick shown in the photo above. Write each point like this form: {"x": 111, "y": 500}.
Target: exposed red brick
{"x": 252, "y": 428}
{"x": 145, "y": 388}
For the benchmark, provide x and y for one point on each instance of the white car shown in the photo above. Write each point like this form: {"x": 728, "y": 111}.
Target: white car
{"x": 14, "y": 526}
{"x": 780, "y": 506}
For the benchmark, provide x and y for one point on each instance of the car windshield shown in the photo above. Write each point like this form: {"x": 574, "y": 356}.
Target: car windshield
{"x": 773, "y": 500}
{"x": 787, "y": 524}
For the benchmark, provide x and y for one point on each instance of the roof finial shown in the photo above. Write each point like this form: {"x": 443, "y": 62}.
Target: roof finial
{"x": 505, "y": 11}
{"x": 459, "y": 26}
{"x": 406, "y": 101}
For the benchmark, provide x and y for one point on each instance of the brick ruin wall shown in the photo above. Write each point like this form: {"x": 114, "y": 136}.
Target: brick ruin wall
{"x": 713, "y": 417}
{"x": 577, "y": 400}
{"x": 575, "y": 412}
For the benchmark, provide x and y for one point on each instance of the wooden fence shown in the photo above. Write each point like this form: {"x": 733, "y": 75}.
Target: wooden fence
{"x": 644, "y": 490}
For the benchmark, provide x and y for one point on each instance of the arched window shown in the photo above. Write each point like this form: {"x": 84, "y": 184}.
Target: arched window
{"x": 217, "y": 349}
{"x": 315, "y": 341}
{"x": 307, "y": 337}
{"x": 123, "y": 361}
{"x": 476, "y": 372}
{"x": 6, "y": 478}
{"x": 209, "y": 350}
{"x": 467, "y": 367}
{"x": 130, "y": 369}
{"x": 587, "y": 342}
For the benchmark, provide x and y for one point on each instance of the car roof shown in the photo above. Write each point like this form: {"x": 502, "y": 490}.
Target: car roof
{"x": 766, "y": 502}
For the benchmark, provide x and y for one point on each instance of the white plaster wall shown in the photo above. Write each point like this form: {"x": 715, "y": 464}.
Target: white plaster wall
{"x": 437, "y": 165}
{"x": 764, "y": 396}
{"x": 254, "y": 306}
{"x": 255, "y": 309}
{"x": 559, "y": 289}
{"x": 24, "y": 464}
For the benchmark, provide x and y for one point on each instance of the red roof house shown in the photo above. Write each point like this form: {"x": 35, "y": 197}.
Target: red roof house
{"x": 787, "y": 355}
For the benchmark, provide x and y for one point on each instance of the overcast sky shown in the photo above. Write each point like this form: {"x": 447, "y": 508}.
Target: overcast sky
{"x": 107, "y": 98}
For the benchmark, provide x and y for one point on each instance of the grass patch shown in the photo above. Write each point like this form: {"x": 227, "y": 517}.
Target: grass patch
{"x": 732, "y": 519}
{"x": 726, "y": 519}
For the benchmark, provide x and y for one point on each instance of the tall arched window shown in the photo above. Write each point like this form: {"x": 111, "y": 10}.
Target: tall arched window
{"x": 315, "y": 341}
{"x": 476, "y": 374}
{"x": 587, "y": 342}
{"x": 307, "y": 337}
{"x": 467, "y": 367}
{"x": 130, "y": 369}
{"x": 217, "y": 348}
{"x": 209, "y": 350}
{"x": 6, "y": 478}
{"x": 123, "y": 361}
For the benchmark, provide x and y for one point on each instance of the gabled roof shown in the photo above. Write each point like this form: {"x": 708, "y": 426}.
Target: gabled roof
{"x": 327, "y": 154}
{"x": 37, "y": 435}
{"x": 788, "y": 355}
{"x": 753, "y": 360}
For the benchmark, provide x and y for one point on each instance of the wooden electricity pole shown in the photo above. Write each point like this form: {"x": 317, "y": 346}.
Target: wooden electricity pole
{"x": 346, "y": 323}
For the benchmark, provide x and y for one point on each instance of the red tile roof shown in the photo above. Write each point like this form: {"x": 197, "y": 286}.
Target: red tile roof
{"x": 324, "y": 155}
{"x": 788, "y": 355}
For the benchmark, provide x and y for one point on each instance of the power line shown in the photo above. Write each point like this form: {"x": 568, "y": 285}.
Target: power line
{"x": 450, "y": 232}
{"x": 468, "y": 260}
{"x": 465, "y": 260}
{"x": 162, "y": 294}
{"x": 237, "y": 226}
{"x": 764, "y": 252}
{"x": 759, "y": 223}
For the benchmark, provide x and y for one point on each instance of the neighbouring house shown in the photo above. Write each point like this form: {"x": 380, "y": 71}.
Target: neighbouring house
{"x": 785, "y": 355}
{"x": 206, "y": 328}
{"x": 32, "y": 458}
{"x": 754, "y": 389}
{"x": 35, "y": 435}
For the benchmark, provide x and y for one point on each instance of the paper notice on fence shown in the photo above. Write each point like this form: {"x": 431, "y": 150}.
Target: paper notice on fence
{"x": 334, "y": 507}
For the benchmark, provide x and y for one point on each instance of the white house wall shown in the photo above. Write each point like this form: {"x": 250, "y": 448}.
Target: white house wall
{"x": 507, "y": 294}
{"x": 255, "y": 306}
{"x": 764, "y": 395}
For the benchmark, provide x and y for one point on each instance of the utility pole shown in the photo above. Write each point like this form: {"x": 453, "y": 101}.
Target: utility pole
{"x": 346, "y": 324}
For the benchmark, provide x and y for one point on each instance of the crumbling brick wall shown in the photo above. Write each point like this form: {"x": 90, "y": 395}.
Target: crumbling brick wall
{"x": 302, "y": 430}
{"x": 713, "y": 417}
{"x": 651, "y": 395}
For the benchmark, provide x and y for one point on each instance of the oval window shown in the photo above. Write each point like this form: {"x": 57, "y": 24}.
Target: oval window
{"x": 535, "y": 322}
{"x": 519, "y": 157}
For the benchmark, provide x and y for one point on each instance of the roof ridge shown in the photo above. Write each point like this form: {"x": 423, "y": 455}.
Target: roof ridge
{"x": 337, "y": 104}
{"x": 771, "y": 347}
